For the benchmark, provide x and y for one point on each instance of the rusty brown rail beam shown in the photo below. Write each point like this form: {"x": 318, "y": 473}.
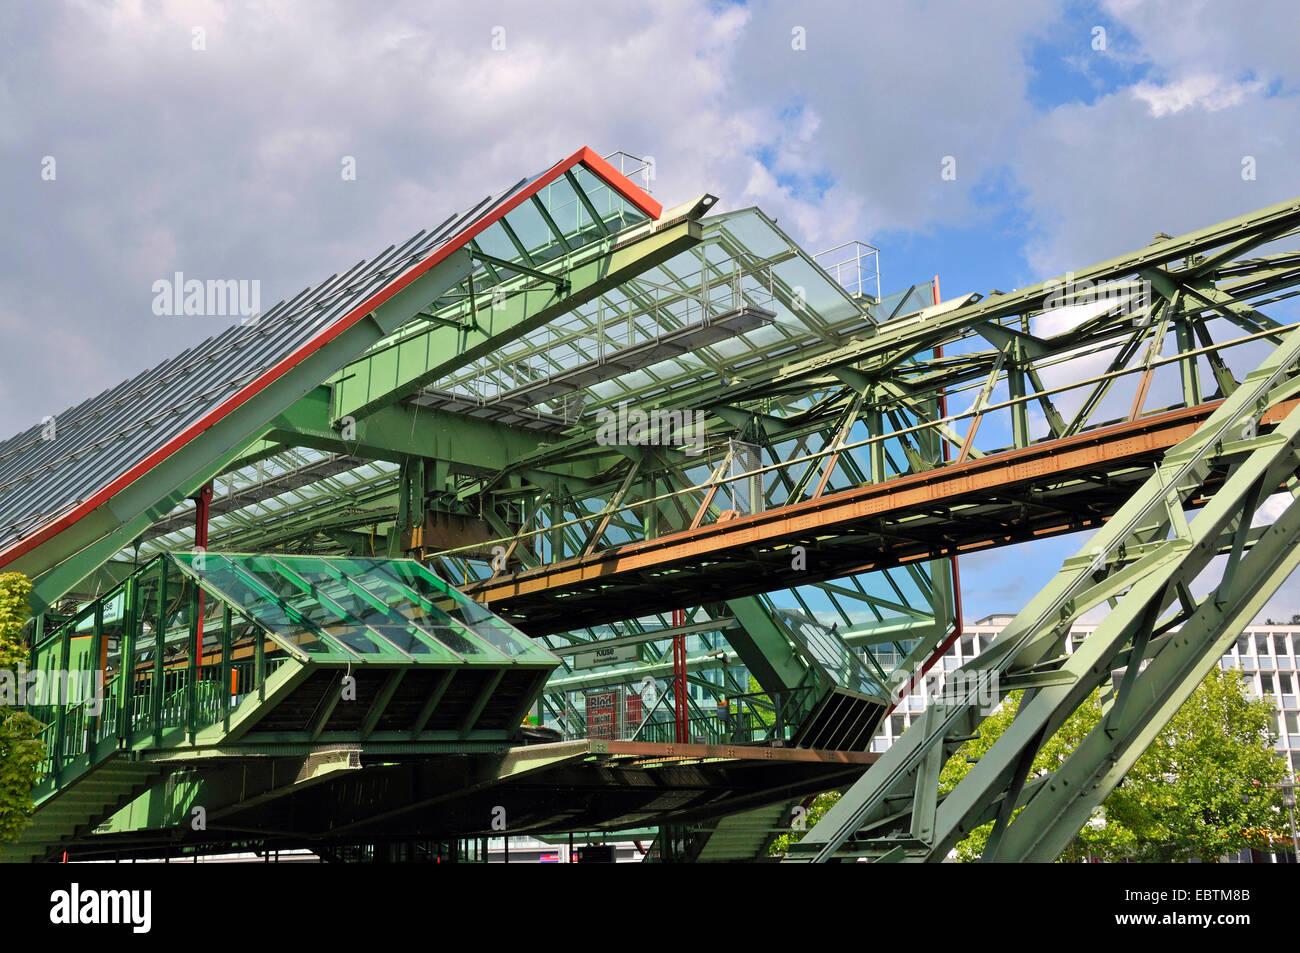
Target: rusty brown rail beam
{"x": 1052, "y": 487}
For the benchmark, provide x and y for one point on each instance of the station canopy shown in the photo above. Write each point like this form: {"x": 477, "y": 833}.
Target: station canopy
{"x": 65, "y": 484}
{"x": 737, "y": 301}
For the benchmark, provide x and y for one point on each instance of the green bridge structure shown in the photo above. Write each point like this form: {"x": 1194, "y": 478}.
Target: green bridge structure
{"x": 575, "y": 516}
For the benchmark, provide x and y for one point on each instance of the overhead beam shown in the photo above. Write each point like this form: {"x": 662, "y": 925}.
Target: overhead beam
{"x": 401, "y": 367}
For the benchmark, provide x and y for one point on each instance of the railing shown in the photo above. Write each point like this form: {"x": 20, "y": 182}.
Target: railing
{"x": 855, "y": 266}
{"x": 634, "y": 167}
{"x": 79, "y": 727}
{"x": 78, "y": 730}
{"x": 758, "y": 716}
{"x": 708, "y": 730}
{"x": 752, "y": 718}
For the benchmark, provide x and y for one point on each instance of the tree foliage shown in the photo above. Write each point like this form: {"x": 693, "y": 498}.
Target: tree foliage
{"x": 1203, "y": 789}
{"x": 816, "y": 810}
{"x": 20, "y": 750}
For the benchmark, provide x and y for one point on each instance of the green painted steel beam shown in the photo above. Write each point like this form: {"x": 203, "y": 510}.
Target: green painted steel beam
{"x": 559, "y": 281}
{"x": 764, "y": 647}
{"x": 397, "y": 369}
{"x": 1056, "y": 812}
{"x": 1149, "y": 578}
{"x": 395, "y": 432}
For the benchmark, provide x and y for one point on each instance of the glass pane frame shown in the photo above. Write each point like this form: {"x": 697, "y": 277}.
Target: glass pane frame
{"x": 431, "y": 649}
{"x": 488, "y": 626}
{"x": 398, "y": 606}
{"x": 416, "y": 583}
{"x": 321, "y": 647}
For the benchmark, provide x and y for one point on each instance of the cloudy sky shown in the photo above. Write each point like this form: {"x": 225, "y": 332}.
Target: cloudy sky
{"x": 208, "y": 138}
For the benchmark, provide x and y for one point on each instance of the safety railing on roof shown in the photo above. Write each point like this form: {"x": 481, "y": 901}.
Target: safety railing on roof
{"x": 855, "y": 266}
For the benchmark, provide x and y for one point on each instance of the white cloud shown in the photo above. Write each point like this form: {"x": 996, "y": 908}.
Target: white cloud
{"x": 1210, "y": 93}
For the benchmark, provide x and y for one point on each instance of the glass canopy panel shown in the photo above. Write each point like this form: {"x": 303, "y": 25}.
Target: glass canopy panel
{"x": 380, "y": 579}
{"x": 247, "y": 591}
{"x": 501, "y": 634}
{"x": 313, "y": 606}
{"x": 835, "y": 658}
{"x": 330, "y": 583}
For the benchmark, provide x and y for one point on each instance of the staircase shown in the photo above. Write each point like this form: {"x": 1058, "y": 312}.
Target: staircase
{"x": 78, "y": 807}
{"x": 235, "y": 655}
{"x": 742, "y": 837}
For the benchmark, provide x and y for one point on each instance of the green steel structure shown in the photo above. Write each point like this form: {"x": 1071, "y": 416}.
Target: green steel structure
{"x": 207, "y": 658}
{"x": 360, "y": 587}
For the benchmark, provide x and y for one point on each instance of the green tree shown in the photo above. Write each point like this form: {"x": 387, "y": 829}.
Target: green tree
{"x": 1202, "y": 790}
{"x": 20, "y": 750}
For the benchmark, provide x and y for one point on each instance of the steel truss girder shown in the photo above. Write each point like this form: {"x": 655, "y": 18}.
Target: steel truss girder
{"x": 1057, "y": 811}
{"x": 899, "y": 790}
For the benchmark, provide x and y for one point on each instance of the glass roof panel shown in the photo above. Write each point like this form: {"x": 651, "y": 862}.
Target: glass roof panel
{"x": 382, "y": 582}
{"x": 534, "y": 233}
{"x": 568, "y": 213}
{"x": 248, "y": 593}
{"x": 49, "y": 487}
{"x": 331, "y": 584}
{"x": 310, "y": 603}
{"x": 501, "y": 634}
{"x": 615, "y": 210}
{"x": 744, "y": 261}
{"x": 495, "y": 242}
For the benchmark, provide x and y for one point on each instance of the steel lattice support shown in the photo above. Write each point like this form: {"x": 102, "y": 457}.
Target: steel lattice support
{"x": 1143, "y": 562}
